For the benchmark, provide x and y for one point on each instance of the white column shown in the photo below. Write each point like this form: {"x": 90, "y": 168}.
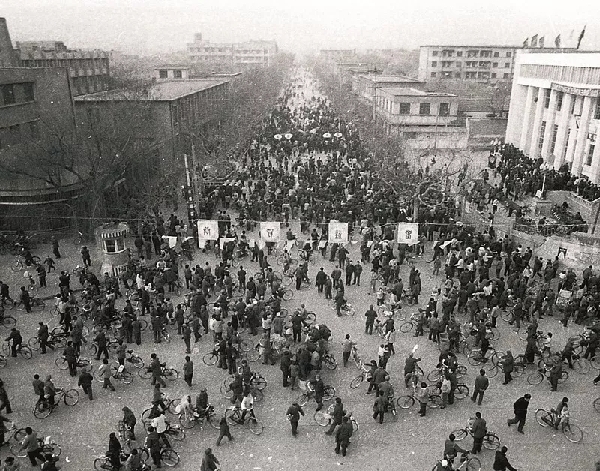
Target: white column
{"x": 563, "y": 127}
{"x": 582, "y": 134}
{"x": 537, "y": 122}
{"x": 526, "y": 119}
{"x": 595, "y": 169}
{"x": 549, "y": 127}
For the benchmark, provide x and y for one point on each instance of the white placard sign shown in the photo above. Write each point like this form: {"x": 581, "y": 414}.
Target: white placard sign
{"x": 338, "y": 232}
{"x": 269, "y": 231}
{"x": 224, "y": 240}
{"x": 208, "y": 230}
{"x": 408, "y": 233}
{"x": 171, "y": 240}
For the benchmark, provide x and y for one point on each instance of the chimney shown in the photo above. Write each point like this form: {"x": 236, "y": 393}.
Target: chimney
{"x": 198, "y": 37}
{"x": 8, "y": 56}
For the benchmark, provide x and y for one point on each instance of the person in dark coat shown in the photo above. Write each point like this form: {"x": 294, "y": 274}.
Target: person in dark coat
{"x": 223, "y": 431}
{"x": 293, "y": 415}
{"x": 338, "y": 415}
{"x": 342, "y": 436}
{"x": 520, "y": 409}
{"x": 501, "y": 461}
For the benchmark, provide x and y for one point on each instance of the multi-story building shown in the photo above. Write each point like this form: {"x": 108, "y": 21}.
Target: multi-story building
{"x": 231, "y": 56}
{"x": 172, "y": 72}
{"x": 476, "y": 63}
{"x": 164, "y": 118}
{"x": 365, "y": 86}
{"x": 423, "y": 119}
{"x": 555, "y": 109}
{"x": 89, "y": 70}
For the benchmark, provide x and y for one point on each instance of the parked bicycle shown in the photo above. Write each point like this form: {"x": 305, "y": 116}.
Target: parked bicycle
{"x": 189, "y": 421}
{"x": 572, "y": 432}
{"x": 24, "y": 351}
{"x": 466, "y": 463}
{"x": 43, "y": 408}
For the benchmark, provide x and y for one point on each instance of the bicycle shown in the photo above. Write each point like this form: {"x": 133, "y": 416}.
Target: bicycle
{"x": 571, "y": 431}
{"x": 233, "y": 416}
{"x": 168, "y": 456}
{"x": 189, "y": 421}
{"x": 538, "y": 376}
{"x": 169, "y": 373}
{"x": 43, "y": 409}
{"x": 23, "y": 350}
{"x": 466, "y": 464}
{"x": 437, "y": 374}
{"x": 364, "y": 375}
{"x": 328, "y": 394}
{"x": 19, "y": 263}
{"x": 7, "y": 322}
{"x": 103, "y": 463}
{"x": 81, "y": 362}
{"x": 346, "y": 309}
{"x": 47, "y": 446}
{"x": 120, "y": 373}
{"x": 406, "y": 402}
{"x": 324, "y": 418}
{"x": 134, "y": 359}
{"x": 490, "y": 440}
{"x": 329, "y": 361}
{"x": 15, "y": 436}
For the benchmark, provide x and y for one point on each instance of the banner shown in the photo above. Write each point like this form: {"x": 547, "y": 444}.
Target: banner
{"x": 224, "y": 240}
{"x": 408, "y": 233}
{"x": 171, "y": 240}
{"x": 269, "y": 231}
{"x": 208, "y": 230}
{"x": 338, "y": 232}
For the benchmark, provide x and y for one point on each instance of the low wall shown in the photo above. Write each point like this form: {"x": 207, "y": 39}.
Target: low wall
{"x": 587, "y": 209}
{"x": 581, "y": 250}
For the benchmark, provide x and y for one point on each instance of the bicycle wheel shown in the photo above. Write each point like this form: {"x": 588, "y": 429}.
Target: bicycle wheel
{"x": 169, "y": 457}
{"x": 16, "y": 450}
{"x": 259, "y": 382}
{"x": 563, "y": 377}
{"x": 356, "y": 382}
{"x": 328, "y": 393}
{"x": 543, "y": 418}
{"x": 3, "y": 361}
{"x": 225, "y": 390}
{"x": 232, "y": 416}
{"x": 473, "y": 464}
{"x": 311, "y": 318}
{"x": 461, "y": 370}
{"x": 406, "y": 327}
{"x": 172, "y": 406}
{"x": 137, "y": 362}
{"x": 330, "y": 362}
{"x": 210, "y": 359}
{"x": 213, "y": 420}
{"x": 171, "y": 374}
{"x": 581, "y": 366}
{"x": 303, "y": 399}
{"x": 405, "y": 402}
{"x": 493, "y": 371}
{"x": 126, "y": 377}
{"x": 25, "y": 352}
{"x": 460, "y": 434}
{"x": 434, "y": 376}
{"x": 491, "y": 441}
{"x": 256, "y": 426}
{"x": 597, "y": 404}
{"x": 322, "y": 418}
{"x": 535, "y": 378}
{"x": 6, "y": 348}
{"x": 16, "y": 266}
{"x": 34, "y": 343}
{"x": 144, "y": 324}
{"x": 518, "y": 370}
{"x": 257, "y": 394}
{"x": 435, "y": 401}
{"x": 61, "y": 363}
{"x": 71, "y": 397}
{"x": 101, "y": 464}
{"x": 187, "y": 421}
{"x": 288, "y": 294}
{"x": 42, "y": 410}
{"x": 144, "y": 373}
{"x": 8, "y": 321}
{"x": 573, "y": 433}
{"x": 252, "y": 355}
{"x": 462, "y": 391}
{"x": 246, "y": 345}
{"x": 176, "y": 432}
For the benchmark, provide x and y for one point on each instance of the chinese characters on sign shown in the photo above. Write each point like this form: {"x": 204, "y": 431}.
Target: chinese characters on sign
{"x": 408, "y": 233}
{"x": 338, "y": 232}
{"x": 269, "y": 231}
{"x": 208, "y": 230}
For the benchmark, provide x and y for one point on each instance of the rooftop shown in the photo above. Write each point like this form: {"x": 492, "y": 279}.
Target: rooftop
{"x": 160, "y": 91}
{"x": 413, "y": 92}
{"x": 172, "y": 66}
{"x": 390, "y": 78}
{"x": 475, "y": 46}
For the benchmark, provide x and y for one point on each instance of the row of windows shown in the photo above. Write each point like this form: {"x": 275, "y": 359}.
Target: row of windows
{"x": 69, "y": 63}
{"x": 486, "y": 64}
{"x": 163, "y": 74}
{"x": 470, "y": 53}
{"x": 424, "y": 108}
{"x": 469, "y": 75}
{"x": 18, "y": 134}
{"x": 15, "y": 93}
{"x": 228, "y": 50}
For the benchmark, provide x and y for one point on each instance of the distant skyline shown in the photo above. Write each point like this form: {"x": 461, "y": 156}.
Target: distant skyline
{"x": 159, "y": 26}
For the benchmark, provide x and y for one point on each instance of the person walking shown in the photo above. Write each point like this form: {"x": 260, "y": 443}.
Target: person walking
{"x": 31, "y": 445}
{"x": 293, "y": 414}
{"x": 129, "y": 421}
{"x": 85, "y": 383}
{"x": 481, "y": 384}
{"x": 508, "y": 365}
{"x": 55, "y": 250}
{"x": 136, "y": 327}
{"x": 338, "y": 414}
{"x": 188, "y": 371}
{"x": 104, "y": 374}
{"x": 187, "y": 338}
{"x": 501, "y": 462}
{"x": 379, "y": 407}
{"x": 209, "y": 461}
{"x": 478, "y": 430}
{"x": 71, "y": 358}
{"x": 371, "y": 315}
{"x": 153, "y": 444}
{"x": 520, "y": 409}
{"x": 347, "y": 346}
{"x": 342, "y": 436}
{"x": 223, "y": 430}
{"x": 423, "y": 398}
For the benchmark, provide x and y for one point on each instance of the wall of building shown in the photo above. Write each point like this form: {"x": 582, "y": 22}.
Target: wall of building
{"x": 8, "y": 56}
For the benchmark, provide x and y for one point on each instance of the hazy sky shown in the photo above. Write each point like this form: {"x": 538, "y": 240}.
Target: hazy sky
{"x": 149, "y": 26}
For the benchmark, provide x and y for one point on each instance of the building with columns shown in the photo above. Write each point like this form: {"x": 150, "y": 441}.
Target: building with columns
{"x": 555, "y": 111}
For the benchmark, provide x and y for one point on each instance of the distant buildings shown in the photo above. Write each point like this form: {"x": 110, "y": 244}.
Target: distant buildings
{"x": 337, "y": 55}
{"x": 366, "y": 85}
{"x": 231, "y": 56}
{"x": 476, "y": 63}
{"x": 165, "y": 117}
{"x": 172, "y": 72}
{"x": 555, "y": 109}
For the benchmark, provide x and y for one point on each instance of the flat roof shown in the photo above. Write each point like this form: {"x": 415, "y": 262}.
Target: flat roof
{"x": 389, "y": 78}
{"x": 413, "y": 92}
{"x": 171, "y": 66}
{"x": 477, "y": 47}
{"x": 160, "y": 91}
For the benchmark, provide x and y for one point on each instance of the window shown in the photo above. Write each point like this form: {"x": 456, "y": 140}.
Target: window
{"x": 541, "y": 138}
{"x": 507, "y": 65}
{"x": 433, "y": 74}
{"x": 446, "y": 63}
{"x": 410, "y": 135}
{"x": 404, "y": 108}
{"x": 559, "y": 100}
{"x": 458, "y": 63}
{"x": 597, "y": 113}
{"x": 495, "y": 64}
{"x": 496, "y": 54}
{"x": 458, "y": 53}
{"x": 163, "y": 74}
{"x": 433, "y": 63}
{"x": 493, "y": 74}
{"x": 509, "y": 54}
{"x": 553, "y": 141}
{"x": 8, "y": 94}
{"x": 547, "y": 98}
{"x": 434, "y": 53}
{"x": 444, "y": 109}
{"x": 424, "y": 108}
{"x": 177, "y": 74}
{"x": 28, "y": 93}
{"x": 588, "y": 160}
{"x": 457, "y": 74}
{"x": 505, "y": 76}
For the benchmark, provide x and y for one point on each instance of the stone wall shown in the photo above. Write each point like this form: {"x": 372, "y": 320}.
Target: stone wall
{"x": 587, "y": 209}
